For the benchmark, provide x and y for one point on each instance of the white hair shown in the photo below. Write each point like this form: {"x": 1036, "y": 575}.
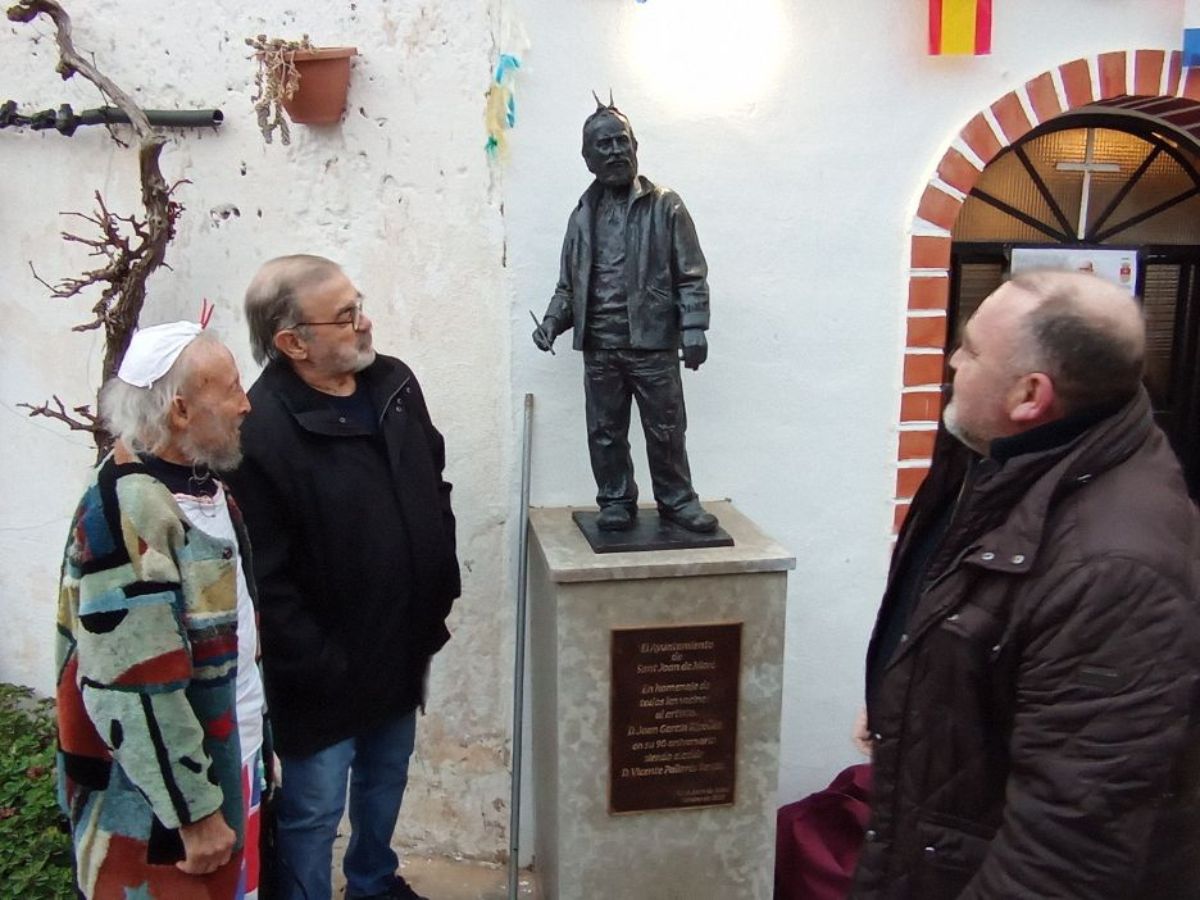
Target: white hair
{"x": 139, "y": 416}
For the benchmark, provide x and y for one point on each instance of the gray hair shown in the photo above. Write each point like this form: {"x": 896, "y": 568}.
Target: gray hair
{"x": 1087, "y": 335}
{"x": 139, "y": 416}
{"x": 272, "y": 298}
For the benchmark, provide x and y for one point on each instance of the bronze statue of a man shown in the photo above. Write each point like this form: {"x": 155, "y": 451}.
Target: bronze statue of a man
{"x": 633, "y": 284}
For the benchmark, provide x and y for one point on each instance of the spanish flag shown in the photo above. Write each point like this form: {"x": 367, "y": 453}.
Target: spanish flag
{"x": 960, "y": 27}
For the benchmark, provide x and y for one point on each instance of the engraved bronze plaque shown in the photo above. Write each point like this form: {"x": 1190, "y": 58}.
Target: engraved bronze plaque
{"x": 673, "y": 720}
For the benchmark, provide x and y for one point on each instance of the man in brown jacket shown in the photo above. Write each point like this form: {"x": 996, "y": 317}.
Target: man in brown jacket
{"x": 1033, "y": 680}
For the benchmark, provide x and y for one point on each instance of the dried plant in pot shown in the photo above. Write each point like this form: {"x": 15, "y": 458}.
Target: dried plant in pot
{"x": 309, "y": 83}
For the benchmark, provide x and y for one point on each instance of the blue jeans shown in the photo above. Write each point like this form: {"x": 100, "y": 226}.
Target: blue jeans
{"x": 314, "y": 796}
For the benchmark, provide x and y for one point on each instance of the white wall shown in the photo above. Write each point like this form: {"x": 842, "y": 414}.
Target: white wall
{"x": 802, "y": 178}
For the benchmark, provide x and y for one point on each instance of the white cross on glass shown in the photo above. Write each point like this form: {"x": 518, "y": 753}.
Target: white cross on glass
{"x": 1087, "y": 167}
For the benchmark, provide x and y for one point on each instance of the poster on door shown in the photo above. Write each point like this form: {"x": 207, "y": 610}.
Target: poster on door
{"x": 1117, "y": 266}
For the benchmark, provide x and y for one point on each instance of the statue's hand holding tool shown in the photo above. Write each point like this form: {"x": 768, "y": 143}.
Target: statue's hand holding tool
{"x": 544, "y": 334}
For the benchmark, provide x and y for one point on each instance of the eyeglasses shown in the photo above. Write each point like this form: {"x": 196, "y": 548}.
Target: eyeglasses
{"x": 351, "y": 317}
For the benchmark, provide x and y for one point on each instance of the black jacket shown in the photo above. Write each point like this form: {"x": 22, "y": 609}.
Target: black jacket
{"x": 354, "y": 549}
{"x": 1036, "y": 727}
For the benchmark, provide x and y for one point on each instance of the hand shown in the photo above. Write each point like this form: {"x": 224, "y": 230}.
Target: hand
{"x": 861, "y": 736}
{"x": 544, "y": 334}
{"x": 207, "y": 845}
{"x": 695, "y": 348}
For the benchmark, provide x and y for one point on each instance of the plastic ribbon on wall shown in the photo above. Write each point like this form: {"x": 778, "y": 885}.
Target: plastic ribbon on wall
{"x": 501, "y": 111}
{"x": 1191, "y": 32}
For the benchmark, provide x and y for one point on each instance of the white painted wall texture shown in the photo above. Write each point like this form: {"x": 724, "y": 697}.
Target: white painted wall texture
{"x": 801, "y": 162}
{"x": 400, "y": 194}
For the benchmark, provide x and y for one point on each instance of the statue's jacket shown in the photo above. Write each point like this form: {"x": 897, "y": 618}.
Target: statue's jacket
{"x": 147, "y": 667}
{"x": 667, "y": 283}
{"x": 1036, "y": 731}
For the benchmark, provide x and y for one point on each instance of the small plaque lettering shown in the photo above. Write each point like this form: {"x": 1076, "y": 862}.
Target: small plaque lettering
{"x": 673, "y": 719}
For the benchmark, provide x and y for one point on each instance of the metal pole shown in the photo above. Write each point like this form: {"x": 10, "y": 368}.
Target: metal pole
{"x": 163, "y": 118}
{"x": 514, "y": 819}
{"x": 65, "y": 121}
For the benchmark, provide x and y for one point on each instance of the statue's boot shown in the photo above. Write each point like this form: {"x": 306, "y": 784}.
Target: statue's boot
{"x": 691, "y": 516}
{"x": 614, "y": 518}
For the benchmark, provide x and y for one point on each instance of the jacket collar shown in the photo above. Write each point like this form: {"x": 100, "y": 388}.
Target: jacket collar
{"x": 1029, "y": 483}
{"x": 639, "y": 188}
{"x": 1052, "y": 434}
{"x": 382, "y": 379}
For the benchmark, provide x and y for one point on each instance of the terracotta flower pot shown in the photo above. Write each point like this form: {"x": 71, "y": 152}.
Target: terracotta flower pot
{"x": 320, "y": 98}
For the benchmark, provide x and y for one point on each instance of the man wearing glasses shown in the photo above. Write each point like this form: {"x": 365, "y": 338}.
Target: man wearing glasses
{"x": 355, "y": 561}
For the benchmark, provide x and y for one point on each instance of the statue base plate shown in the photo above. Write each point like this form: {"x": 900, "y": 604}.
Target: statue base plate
{"x": 649, "y": 532}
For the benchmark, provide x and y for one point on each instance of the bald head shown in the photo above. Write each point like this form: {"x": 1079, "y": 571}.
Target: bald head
{"x": 1086, "y": 333}
{"x": 272, "y": 299}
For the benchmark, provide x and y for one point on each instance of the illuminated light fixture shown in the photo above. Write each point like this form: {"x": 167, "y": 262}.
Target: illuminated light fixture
{"x": 708, "y": 56}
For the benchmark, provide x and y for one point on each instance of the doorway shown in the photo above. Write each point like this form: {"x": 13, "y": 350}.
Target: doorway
{"x": 1100, "y": 181}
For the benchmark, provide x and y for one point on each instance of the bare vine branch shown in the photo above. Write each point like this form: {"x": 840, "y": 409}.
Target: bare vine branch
{"x": 86, "y": 420}
{"x": 132, "y": 248}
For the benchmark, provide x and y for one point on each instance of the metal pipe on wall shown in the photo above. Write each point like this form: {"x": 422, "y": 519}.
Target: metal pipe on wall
{"x": 514, "y": 819}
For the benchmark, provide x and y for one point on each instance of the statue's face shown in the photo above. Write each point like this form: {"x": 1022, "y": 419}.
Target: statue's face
{"x": 610, "y": 151}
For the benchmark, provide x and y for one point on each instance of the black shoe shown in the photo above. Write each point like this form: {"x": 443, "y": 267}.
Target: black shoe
{"x": 614, "y": 518}
{"x": 692, "y": 517}
{"x": 400, "y": 890}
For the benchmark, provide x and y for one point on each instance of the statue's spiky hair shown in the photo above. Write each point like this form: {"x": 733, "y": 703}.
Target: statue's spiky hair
{"x": 606, "y": 109}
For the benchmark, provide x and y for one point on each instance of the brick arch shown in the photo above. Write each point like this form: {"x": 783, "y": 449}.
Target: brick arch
{"x": 1149, "y": 82}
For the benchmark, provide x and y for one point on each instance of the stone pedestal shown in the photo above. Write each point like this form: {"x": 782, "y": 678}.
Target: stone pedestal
{"x": 576, "y": 599}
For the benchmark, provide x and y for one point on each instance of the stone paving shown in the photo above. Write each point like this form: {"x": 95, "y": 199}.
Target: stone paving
{"x": 441, "y": 878}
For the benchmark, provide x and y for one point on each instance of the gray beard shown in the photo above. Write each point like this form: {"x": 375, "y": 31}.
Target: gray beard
{"x": 365, "y": 358}
{"x": 218, "y": 459}
{"x": 950, "y": 420}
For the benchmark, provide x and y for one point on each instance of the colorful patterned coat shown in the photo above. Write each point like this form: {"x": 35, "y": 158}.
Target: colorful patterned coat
{"x": 147, "y": 663}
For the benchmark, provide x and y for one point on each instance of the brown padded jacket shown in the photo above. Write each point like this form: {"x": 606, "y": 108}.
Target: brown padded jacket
{"x": 1037, "y": 730}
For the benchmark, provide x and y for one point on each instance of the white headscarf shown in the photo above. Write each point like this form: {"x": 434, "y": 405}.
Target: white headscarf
{"x": 152, "y": 351}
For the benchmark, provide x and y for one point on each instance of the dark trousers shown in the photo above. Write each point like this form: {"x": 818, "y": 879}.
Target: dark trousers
{"x": 611, "y": 379}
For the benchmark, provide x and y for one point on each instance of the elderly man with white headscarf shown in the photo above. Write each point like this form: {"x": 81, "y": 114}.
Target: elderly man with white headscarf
{"x": 160, "y": 700}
